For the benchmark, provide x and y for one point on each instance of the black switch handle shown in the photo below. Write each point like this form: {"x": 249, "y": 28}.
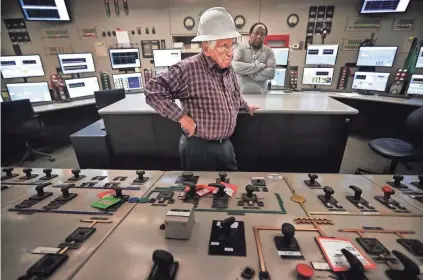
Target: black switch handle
{"x": 222, "y": 176}
{"x": 357, "y": 192}
{"x": 140, "y": 174}
{"x": 356, "y": 267}
{"x": 187, "y": 175}
{"x": 76, "y": 172}
{"x": 118, "y": 191}
{"x": 250, "y": 190}
{"x": 8, "y": 171}
{"x": 288, "y": 231}
{"x": 221, "y": 188}
{"x": 226, "y": 225}
{"x": 398, "y": 179}
{"x": 27, "y": 171}
{"x": 411, "y": 269}
{"x": 40, "y": 189}
{"x": 163, "y": 259}
{"x": 65, "y": 191}
{"x": 47, "y": 171}
{"x": 312, "y": 177}
{"x": 328, "y": 192}
{"x": 420, "y": 179}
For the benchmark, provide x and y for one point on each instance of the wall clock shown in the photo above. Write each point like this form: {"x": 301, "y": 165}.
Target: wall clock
{"x": 239, "y": 21}
{"x": 293, "y": 20}
{"x": 189, "y": 23}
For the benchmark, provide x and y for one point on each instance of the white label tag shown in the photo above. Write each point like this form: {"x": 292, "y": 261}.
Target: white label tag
{"x": 333, "y": 249}
{"x": 257, "y": 178}
{"x": 290, "y": 253}
{"x": 214, "y": 243}
{"x": 178, "y": 213}
{"x": 234, "y": 225}
{"x": 320, "y": 265}
{"x": 275, "y": 176}
{"x": 229, "y": 192}
{"x": 45, "y": 250}
{"x": 229, "y": 249}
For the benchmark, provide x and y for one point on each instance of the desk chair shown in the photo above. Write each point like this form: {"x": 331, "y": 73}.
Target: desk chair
{"x": 400, "y": 151}
{"x": 20, "y": 122}
{"x": 104, "y": 98}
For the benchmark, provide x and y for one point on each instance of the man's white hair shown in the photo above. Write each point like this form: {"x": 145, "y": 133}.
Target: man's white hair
{"x": 211, "y": 44}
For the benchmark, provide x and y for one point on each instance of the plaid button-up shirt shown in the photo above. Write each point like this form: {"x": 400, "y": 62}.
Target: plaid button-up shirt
{"x": 208, "y": 94}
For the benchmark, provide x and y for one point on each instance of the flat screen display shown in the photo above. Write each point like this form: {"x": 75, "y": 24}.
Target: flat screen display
{"x": 132, "y": 81}
{"x": 82, "y": 87}
{"x": 279, "y": 79}
{"x": 321, "y": 54}
{"x": 383, "y": 6}
{"x": 125, "y": 58}
{"x": 166, "y": 58}
{"x": 376, "y": 56}
{"x": 281, "y": 56}
{"x": 23, "y": 66}
{"x": 45, "y": 10}
{"x": 370, "y": 81}
{"x": 419, "y": 63}
{"x": 416, "y": 85}
{"x": 35, "y": 92}
{"x": 73, "y": 63}
{"x": 318, "y": 76}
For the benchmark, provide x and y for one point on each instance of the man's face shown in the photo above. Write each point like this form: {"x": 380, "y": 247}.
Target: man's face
{"x": 257, "y": 36}
{"x": 222, "y": 52}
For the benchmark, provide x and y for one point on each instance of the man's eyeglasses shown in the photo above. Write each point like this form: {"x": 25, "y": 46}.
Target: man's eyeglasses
{"x": 226, "y": 47}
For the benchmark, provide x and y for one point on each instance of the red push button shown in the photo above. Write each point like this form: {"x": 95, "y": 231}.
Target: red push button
{"x": 304, "y": 271}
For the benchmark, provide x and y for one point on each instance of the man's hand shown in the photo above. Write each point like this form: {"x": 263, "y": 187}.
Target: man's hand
{"x": 188, "y": 125}
{"x": 251, "y": 109}
{"x": 261, "y": 66}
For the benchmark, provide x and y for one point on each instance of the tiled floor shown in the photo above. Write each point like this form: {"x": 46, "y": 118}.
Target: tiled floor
{"x": 357, "y": 154}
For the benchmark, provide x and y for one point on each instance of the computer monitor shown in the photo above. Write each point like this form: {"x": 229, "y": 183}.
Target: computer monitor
{"x": 73, "y": 63}
{"x": 419, "y": 63}
{"x": 82, "y": 87}
{"x": 376, "y": 56}
{"x": 321, "y": 54}
{"x": 22, "y": 66}
{"x": 35, "y": 92}
{"x": 383, "y": 6}
{"x": 318, "y": 76}
{"x": 370, "y": 81}
{"x": 279, "y": 79}
{"x": 166, "y": 58}
{"x": 129, "y": 82}
{"x": 281, "y": 56}
{"x": 416, "y": 85}
{"x": 124, "y": 58}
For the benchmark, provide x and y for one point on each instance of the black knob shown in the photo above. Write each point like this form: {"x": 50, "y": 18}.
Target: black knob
{"x": 387, "y": 192}
{"x": 313, "y": 178}
{"x": 250, "y": 190}
{"x": 40, "y": 189}
{"x": 47, "y": 171}
{"x": 357, "y": 192}
{"x": 162, "y": 227}
{"x": 8, "y": 171}
{"x": 187, "y": 175}
{"x": 118, "y": 191}
{"x": 226, "y": 225}
{"x": 222, "y": 176}
{"x": 328, "y": 192}
{"x": 192, "y": 188}
{"x": 288, "y": 231}
{"x": 27, "y": 171}
{"x": 420, "y": 180}
{"x": 140, "y": 174}
{"x": 76, "y": 172}
{"x": 398, "y": 179}
{"x": 163, "y": 259}
{"x": 356, "y": 270}
{"x": 65, "y": 192}
{"x": 411, "y": 269}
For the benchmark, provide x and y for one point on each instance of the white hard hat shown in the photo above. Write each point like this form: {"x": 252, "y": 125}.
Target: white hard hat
{"x": 216, "y": 24}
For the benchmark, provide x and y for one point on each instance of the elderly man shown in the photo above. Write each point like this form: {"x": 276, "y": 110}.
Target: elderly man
{"x": 209, "y": 93}
{"x": 254, "y": 63}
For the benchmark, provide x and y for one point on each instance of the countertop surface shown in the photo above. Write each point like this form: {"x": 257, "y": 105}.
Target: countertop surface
{"x": 296, "y": 103}
{"x": 63, "y": 105}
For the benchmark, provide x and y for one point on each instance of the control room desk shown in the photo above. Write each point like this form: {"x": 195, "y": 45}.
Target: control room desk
{"x": 295, "y": 132}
